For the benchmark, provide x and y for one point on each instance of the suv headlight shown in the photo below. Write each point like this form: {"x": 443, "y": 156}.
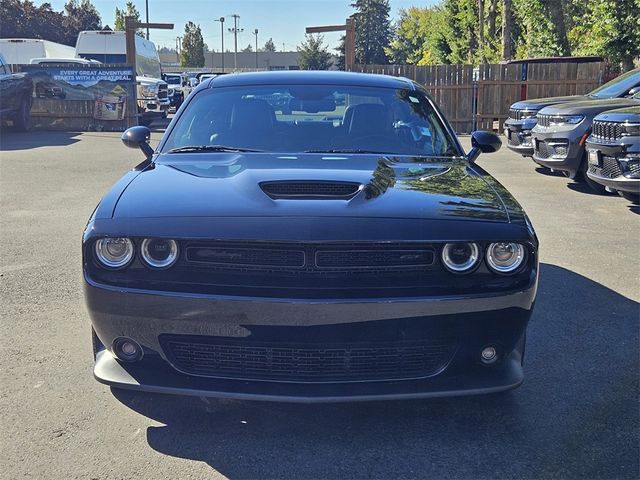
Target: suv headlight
{"x": 460, "y": 257}
{"x": 525, "y": 114}
{"x": 505, "y": 257}
{"x": 559, "y": 120}
{"x": 631, "y": 130}
{"x": 148, "y": 91}
{"x": 114, "y": 252}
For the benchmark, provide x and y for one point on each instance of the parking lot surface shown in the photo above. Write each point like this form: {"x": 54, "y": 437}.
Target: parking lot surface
{"x": 575, "y": 416}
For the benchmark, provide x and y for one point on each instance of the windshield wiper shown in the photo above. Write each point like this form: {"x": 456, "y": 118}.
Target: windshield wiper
{"x": 211, "y": 148}
{"x": 347, "y": 150}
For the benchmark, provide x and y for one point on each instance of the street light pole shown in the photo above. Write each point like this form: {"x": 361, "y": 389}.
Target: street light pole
{"x": 146, "y": 3}
{"x": 255, "y": 32}
{"x": 235, "y": 30}
{"x": 221, "y": 20}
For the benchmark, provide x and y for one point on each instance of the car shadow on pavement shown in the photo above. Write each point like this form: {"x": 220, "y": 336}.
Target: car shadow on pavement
{"x": 11, "y": 140}
{"x": 548, "y": 172}
{"x": 575, "y": 416}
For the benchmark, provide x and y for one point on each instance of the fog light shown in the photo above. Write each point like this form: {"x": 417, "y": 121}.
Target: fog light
{"x": 489, "y": 354}
{"x": 126, "y": 349}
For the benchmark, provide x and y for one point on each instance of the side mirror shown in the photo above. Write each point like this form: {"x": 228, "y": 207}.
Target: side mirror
{"x": 138, "y": 137}
{"x": 633, "y": 91}
{"x": 483, "y": 142}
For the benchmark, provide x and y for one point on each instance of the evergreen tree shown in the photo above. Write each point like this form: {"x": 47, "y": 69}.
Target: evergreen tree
{"x": 192, "y": 54}
{"x": 314, "y": 54}
{"x": 247, "y": 49}
{"x": 269, "y": 46}
{"x": 373, "y": 30}
{"x": 129, "y": 11}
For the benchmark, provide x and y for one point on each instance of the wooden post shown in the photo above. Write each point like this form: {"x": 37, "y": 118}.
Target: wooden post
{"x": 350, "y": 45}
{"x": 130, "y": 39}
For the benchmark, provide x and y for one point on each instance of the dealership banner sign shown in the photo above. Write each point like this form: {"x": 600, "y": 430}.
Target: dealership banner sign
{"x": 83, "y": 97}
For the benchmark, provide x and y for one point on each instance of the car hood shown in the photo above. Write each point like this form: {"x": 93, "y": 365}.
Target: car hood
{"x": 150, "y": 81}
{"x": 232, "y": 185}
{"x": 628, "y": 114}
{"x": 538, "y": 103}
{"x": 588, "y": 108}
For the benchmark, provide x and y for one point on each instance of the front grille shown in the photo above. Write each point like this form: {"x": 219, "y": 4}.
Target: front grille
{"x": 310, "y": 259}
{"x": 163, "y": 91}
{"x": 307, "y": 362}
{"x": 634, "y": 168}
{"x": 519, "y": 114}
{"x": 608, "y": 168}
{"x": 547, "y": 150}
{"x": 544, "y": 120}
{"x": 607, "y": 130}
{"x": 514, "y": 139}
{"x": 310, "y": 189}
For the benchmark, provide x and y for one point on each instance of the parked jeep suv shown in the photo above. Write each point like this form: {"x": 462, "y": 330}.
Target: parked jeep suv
{"x": 613, "y": 150}
{"x": 561, "y": 132}
{"x": 522, "y": 115}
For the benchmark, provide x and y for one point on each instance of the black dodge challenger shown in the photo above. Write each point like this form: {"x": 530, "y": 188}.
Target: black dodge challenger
{"x": 309, "y": 236}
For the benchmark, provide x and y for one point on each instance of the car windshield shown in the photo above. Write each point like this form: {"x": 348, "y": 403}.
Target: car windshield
{"x": 312, "y": 118}
{"x": 619, "y": 86}
{"x": 173, "y": 80}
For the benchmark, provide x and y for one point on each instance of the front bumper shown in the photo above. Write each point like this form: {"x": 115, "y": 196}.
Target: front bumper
{"x": 606, "y": 168}
{"x": 547, "y": 144}
{"x": 474, "y": 322}
{"x": 518, "y": 135}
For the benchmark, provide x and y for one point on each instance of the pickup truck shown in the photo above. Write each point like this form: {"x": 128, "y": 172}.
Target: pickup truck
{"x": 16, "y": 91}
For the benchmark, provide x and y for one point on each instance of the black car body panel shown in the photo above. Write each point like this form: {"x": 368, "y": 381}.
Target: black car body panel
{"x": 309, "y": 276}
{"x": 522, "y": 119}
{"x": 614, "y": 150}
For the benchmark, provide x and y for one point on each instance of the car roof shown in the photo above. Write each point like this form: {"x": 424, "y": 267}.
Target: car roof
{"x": 310, "y": 77}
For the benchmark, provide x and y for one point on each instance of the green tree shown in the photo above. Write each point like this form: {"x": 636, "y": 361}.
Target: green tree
{"x": 314, "y": 54}
{"x": 610, "y": 28}
{"x": 373, "y": 30}
{"x": 23, "y": 19}
{"x": 419, "y": 37}
{"x": 269, "y": 46}
{"x": 80, "y": 15}
{"x": 341, "y": 62}
{"x": 192, "y": 54}
{"x": 247, "y": 49}
{"x": 129, "y": 11}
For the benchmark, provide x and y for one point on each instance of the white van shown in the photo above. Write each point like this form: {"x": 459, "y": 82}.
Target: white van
{"x": 20, "y": 51}
{"x": 107, "y": 46}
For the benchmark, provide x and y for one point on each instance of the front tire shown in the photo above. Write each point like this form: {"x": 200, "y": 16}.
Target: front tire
{"x": 22, "y": 120}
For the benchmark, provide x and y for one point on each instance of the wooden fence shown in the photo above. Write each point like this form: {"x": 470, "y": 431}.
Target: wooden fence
{"x": 479, "y": 98}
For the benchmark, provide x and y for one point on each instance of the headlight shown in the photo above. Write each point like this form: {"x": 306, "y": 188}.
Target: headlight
{"x": 148, "y": 91}
{"x": 460, "y": 257}
{"x": 159, "y": 252}
{"x": 114, "y": 252}
{"x": 524, "y": 114}
{"x": 631, "y": 130}
{"x": 503, "y": 257}
{"x": 559, "y": 120}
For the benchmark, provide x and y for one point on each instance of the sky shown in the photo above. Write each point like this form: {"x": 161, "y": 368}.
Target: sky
{"x": 282, "y": 20}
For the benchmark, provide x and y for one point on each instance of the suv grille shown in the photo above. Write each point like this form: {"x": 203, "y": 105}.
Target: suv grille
{"x": 519, "y": 114}
{"x": 307, "y": 362}
{"x": 163, "y": 91}
{"x": 608, "y": 168}
{"x": 544, "y": 120}
{"x": 607, "y": 130}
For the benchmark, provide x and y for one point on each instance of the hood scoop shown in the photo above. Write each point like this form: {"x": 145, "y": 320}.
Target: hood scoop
{"x": 310, "y": 190}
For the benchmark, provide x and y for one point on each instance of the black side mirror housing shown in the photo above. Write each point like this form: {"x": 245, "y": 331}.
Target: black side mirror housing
{"x": 138, "y": 137}
{"x": 633, "y": 91}
{"x": 483, "y": 142}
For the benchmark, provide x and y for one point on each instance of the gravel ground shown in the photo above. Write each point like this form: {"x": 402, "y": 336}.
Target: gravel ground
{"x": 576, "y": 415}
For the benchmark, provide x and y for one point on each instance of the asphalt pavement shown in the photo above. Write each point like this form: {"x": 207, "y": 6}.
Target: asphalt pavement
{"x": 575, "y": 416}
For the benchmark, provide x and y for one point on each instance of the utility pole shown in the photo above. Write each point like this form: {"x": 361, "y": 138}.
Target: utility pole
{"x": 146, "y": 4}
{"x": 235, "y": 30}
{"x": 221, "y": 20}
{"x": 283, "y": 46}
{"x": 255, "y": 32}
